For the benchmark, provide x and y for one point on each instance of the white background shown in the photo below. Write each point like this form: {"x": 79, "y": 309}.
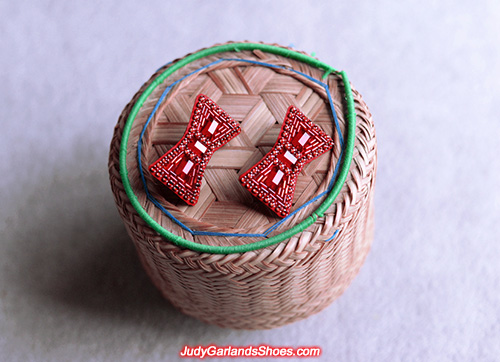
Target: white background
{"x": 71, "y": 287}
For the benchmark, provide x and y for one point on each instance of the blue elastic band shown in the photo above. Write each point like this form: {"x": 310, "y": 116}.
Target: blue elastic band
{"x": 333, "y": 236}
{"x": 268, "y": 231}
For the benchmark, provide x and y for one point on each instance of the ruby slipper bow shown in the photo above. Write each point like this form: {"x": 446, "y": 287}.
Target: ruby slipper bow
{"x": 273, "y": 179}
{"x": 181, "y": 169}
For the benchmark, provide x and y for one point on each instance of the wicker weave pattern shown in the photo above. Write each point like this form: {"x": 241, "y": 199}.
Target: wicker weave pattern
{"x": 279, "y": 284}
{"x": 258, "y": 97}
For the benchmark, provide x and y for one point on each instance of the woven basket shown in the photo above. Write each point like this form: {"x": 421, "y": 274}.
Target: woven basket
{"x": 229, "y": 260}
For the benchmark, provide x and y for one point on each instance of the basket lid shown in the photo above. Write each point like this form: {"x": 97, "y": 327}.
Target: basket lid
{"x": 255, "y": 84}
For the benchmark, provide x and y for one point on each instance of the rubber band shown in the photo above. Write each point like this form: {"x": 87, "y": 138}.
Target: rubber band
{"x": 214, "y": 233}
{"x": 344, "y": 169}
{"x": 333, "y": 236}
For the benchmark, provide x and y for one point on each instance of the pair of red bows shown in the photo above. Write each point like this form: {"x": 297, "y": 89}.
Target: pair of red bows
{"x": 272, "y": 180}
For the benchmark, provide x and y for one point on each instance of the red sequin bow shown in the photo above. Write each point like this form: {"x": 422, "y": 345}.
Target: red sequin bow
{"x": 181, "y": 169}
{"x": 273, "y": 179}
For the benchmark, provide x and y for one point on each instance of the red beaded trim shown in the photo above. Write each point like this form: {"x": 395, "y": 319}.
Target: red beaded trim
{"x": 273, "y": 179}
{"x": 181, "y": 169}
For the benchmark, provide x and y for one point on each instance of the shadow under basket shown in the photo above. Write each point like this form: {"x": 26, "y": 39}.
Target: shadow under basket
{"x": 229, "y": 260}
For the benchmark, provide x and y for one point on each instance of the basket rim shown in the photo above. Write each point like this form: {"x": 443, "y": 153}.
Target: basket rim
{"x": 319, "y": 212}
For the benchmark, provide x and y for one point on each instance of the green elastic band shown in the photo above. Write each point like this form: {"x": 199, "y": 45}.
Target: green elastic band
{"x": 344, "y": 170}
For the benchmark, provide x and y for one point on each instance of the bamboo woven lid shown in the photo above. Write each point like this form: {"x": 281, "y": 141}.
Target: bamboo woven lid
{"x": 255, "y": 88}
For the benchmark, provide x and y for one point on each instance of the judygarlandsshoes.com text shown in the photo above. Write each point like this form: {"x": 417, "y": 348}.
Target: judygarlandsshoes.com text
{"x": 202, "y": 352}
